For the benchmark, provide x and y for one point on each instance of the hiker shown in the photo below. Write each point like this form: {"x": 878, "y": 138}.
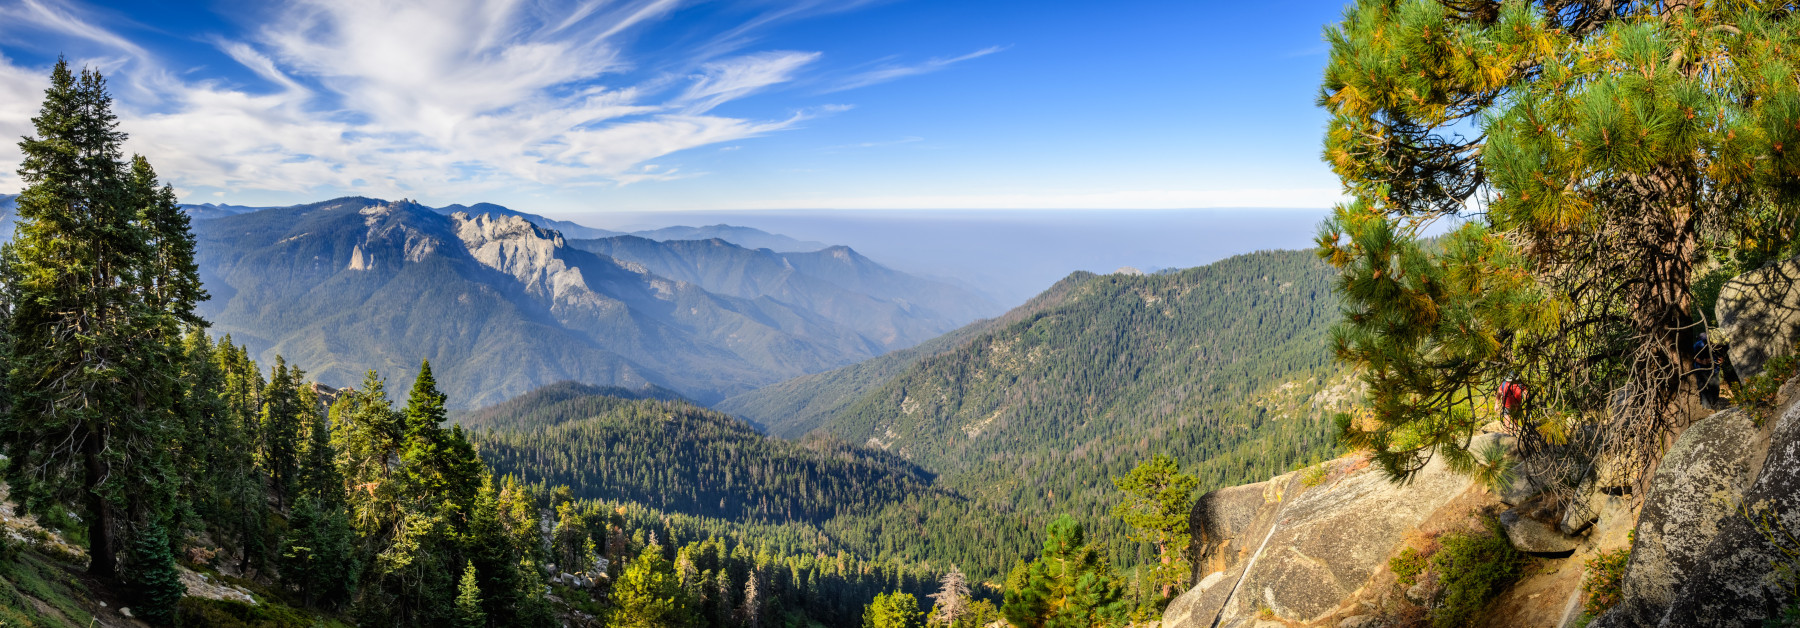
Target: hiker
{"x": 1512, "y": 396}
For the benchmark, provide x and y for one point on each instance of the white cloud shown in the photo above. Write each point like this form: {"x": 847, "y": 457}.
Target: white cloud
{"x": 723, "y": 81}
{"x": 440, "y": 99}
{"x": 20, "y": 91}
{"x": 890, "y": 72}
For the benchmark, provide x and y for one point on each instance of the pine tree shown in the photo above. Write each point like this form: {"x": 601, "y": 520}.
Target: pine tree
{"x": 893, "y": 610}
{"x": 1601, "y": 151}
{"x": 367, "y": 434}
{"x": 1158, "y": 502}
{"x": 93, "y": 355}
{"x": 493, "y": 554}
{"x": 1068, "y": 585}
{"x": 571, "y": 538}
{"x": 317, "y": 556}
{"x": 469, "y": 612}
{"x": 649, "y": 594}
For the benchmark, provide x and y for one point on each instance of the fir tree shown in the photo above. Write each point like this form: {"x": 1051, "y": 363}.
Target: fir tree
{"x": 317, "y": 558}
{"x": 469, "y": 612}
{"x": 93, "y": 355}
{"x": 649, "y": 594}
{"x": 893, "y": 610}
{"x": 283, "y": 420}
{"x": 493, "y": 554}
{"x": 155, "y": 584}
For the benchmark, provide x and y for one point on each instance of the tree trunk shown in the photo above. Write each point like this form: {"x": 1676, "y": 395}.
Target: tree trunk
{"x": 102, "y": 559}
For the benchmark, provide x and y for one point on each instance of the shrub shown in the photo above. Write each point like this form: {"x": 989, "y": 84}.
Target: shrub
{"x": 1473, "y": 567}
{"x": 1605, "y": 576}
{"x": 1315, "y": 475}
{"x": 1408, "y": 564}
{"x": 1759, "y": 392}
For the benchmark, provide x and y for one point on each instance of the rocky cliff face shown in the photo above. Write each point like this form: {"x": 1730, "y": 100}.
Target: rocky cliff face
{"x": 1714, "y": 542}
{"x": 1283, "y": 550}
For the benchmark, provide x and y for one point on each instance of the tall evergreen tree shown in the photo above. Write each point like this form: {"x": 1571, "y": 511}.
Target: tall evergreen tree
{"x": 283, "y": 420}
{"x": 92, "y": 355}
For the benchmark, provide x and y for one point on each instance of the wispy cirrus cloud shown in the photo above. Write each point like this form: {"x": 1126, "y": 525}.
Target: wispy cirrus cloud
{"x": 470, "y": 96}
{"x": 891, "y": 71}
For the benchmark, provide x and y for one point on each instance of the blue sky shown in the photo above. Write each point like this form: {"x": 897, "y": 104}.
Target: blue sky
{"x": 650, "y": 105}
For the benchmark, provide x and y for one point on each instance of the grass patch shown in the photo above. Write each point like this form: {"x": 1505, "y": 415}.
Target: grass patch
{"x": 197, "y": 611}
{"x": 29, "y": 577}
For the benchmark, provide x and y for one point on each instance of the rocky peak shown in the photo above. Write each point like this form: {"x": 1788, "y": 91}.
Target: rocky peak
{"x": 512, "y": 245}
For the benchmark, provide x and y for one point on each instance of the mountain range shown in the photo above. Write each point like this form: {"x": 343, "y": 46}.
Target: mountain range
{"x": 502, "y": 305}
{"x": 964, "y": 444}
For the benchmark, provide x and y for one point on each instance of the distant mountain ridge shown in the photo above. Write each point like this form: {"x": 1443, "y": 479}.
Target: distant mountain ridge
{"x": 893, "y": 308}
{"x": 746, "y": 237}
{"x": 501, "y": 305}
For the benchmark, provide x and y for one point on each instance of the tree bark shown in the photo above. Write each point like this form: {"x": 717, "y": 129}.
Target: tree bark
{"x": 103, "y": 561}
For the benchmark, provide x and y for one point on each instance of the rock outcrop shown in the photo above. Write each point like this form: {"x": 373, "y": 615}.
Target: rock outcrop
{"x": 1301, "y": 552}
{"x": 1759, "y": 312}
{"x": 1717, "y": 528}
{"x": 1708, "y": 464}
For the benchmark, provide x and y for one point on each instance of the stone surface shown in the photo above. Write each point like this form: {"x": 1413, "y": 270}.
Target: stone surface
{"x": 1759, "y": 313}
{"x": 199, "y": 585}
{"x": 1689, "y": 505}
{"x": 1531, "y": 535}
{"x": 1735, "y": 583}
{"x": 1360, "y": 621}
{"x": 1323, "y": 542}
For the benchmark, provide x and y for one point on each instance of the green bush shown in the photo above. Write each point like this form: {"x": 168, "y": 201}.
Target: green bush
{"x": 1473, "y": 567}
{"x": 1759, "y": 392}
{"x": 1605, "y": 577}
{"x": 1408, "y": 564}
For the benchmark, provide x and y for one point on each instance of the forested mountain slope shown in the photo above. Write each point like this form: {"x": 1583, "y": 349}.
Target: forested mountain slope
{"x": 679, "y": 458}
{"x": 792, "y": 408}
{"x": 500, "y": 305}
{"x": 1223, "y": 367}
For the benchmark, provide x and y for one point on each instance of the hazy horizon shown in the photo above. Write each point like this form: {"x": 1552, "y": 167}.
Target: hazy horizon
{"x": 1012, "y": 254}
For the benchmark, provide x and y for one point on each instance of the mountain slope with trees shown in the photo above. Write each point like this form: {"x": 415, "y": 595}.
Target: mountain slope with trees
{"x": 1218, "y": 366}
{"x": 792, "y": 408}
